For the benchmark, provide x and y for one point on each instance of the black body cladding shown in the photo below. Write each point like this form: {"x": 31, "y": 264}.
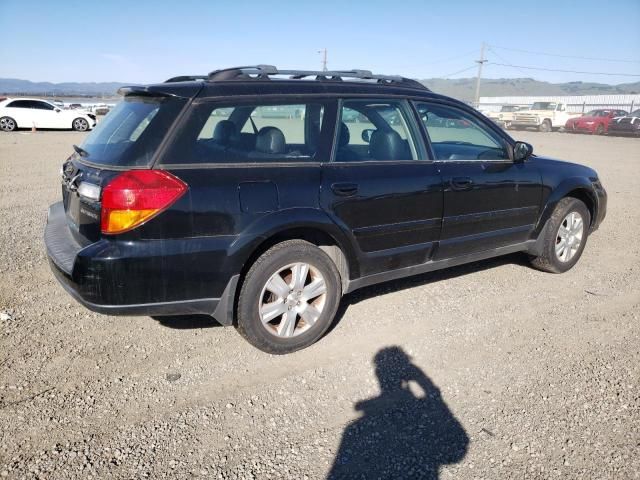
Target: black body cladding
{"x": 388, "y": 218}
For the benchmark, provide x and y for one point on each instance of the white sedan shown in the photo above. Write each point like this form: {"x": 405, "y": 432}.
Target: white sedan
{"x": 33, "y": 112}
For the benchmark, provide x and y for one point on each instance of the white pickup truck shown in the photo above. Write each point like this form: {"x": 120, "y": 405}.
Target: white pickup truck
{"x": 545, "y": 116}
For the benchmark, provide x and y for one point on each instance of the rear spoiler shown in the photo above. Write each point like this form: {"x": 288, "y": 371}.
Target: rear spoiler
{"x": 161, "y": 90}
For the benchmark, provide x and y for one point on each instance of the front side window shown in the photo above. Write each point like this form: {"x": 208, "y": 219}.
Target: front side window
{"x": 249, "y": 133}
{"x": 457, "y": 135}
{"x": 42, "y": 106}
{"x": 375, "y": 130}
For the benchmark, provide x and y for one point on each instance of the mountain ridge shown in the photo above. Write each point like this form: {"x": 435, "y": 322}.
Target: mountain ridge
{"x": 461, "y": 88}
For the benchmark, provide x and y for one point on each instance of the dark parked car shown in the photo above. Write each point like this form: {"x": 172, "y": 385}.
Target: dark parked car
{"x": 184, "y": 201}
{"x": 626, "y": 125}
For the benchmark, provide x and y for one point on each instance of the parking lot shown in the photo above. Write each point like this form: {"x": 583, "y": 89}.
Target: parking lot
{"x": 516, "y": 373}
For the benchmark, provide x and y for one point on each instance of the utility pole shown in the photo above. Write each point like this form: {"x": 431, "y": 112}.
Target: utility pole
{"x": 480, "y": 62}
{"x": 324, "y": 59}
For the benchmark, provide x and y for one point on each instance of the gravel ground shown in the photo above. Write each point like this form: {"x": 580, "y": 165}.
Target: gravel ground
{"x": 512, "y": 373}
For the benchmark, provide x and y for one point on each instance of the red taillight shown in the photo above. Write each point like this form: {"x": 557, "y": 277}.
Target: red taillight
{"x": 136, "y": 196}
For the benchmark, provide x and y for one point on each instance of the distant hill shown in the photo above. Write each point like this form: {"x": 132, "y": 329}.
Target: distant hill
{"x": 14, "y": 86}
{"x": 463, "y": 88}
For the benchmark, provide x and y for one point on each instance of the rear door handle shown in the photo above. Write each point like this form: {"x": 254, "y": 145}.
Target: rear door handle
{"x": 344, "y": 189}
{"x": 461, "y": 183}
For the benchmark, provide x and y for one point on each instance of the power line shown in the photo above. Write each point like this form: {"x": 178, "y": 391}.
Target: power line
{"x": 567, "y": 71}
{"x": 459, "y": 71}
{"x": 600, "y": 59}
{"x": 455, "y": 57}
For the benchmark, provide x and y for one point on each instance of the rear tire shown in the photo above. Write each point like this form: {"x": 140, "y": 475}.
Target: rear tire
{"x": 8, "y": 124}
{"x": 289, "y": 298}
{"x": 565, "y": 236}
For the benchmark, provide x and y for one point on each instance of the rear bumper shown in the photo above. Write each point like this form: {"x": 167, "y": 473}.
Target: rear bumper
{"x": 146, "y": 277}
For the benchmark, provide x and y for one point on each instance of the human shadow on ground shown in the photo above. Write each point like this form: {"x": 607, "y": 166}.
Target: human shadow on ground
{"x": 400, "y": 434}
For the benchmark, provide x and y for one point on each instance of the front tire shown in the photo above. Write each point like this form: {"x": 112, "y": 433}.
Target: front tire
{"x": 599, "y": 130}
{"x": 8, "y": 124}
{"x": 289, "y": 297}
{"x": 80, "y": 125}
{"x": 545, "y": 126}
{"x": 565, "y": 236}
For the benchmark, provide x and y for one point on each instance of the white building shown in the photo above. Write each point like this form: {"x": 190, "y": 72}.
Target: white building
{"x": 574, "y": 103}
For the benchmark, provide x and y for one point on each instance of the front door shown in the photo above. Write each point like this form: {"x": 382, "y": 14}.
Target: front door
{"x": 489, "y": 201}
{"x": 380, "y": 189}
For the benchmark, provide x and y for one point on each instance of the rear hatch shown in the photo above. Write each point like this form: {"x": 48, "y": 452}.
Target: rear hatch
{"x": 126, "y": 139}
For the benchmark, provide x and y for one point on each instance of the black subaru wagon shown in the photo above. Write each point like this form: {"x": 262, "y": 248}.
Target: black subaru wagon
{"x": 261, "y": 196}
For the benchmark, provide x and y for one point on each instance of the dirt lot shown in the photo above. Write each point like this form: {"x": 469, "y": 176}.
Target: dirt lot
{"x": 514, "y": 373}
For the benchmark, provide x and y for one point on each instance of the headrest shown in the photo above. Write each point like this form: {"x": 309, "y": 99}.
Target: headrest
{"x": 386, "y": 145}
{"x": 270, "y": 140}
{"x": 343, "y": 141}
{"x": 225, "y": 132}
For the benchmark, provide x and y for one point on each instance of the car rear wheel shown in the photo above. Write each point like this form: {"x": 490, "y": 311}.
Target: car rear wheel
{"x": 545, "y": 126}
{"x": 288, "y": 298}
{"x": 565, "y": 236}
{"x": 7, "y": 124}
{"x": 80, "y": 125}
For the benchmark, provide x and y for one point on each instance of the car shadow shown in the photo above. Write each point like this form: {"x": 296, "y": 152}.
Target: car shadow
{"x": 424, "y": 279}
{"x": 186, "y": 322}
{"x": 400, "y": 434}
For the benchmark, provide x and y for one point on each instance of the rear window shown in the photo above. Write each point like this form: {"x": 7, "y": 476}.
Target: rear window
{"x": 131, "y": 133}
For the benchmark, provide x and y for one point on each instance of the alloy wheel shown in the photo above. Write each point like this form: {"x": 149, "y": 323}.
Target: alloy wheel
{"x": 292, "y": 300}
{"x": 569, "y": 236}
{"x": 7, "y": 124}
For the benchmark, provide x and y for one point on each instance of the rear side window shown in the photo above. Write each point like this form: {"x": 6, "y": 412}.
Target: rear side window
{"x": 20, "y": 104}
{"x": 132, "y": 132}
{"x": 249, "y": 133}
{"x": 458, "y": 135}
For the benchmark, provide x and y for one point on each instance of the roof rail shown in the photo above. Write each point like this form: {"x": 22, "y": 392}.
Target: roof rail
{"x": 186, "y": 78}
{"x": 263, "y": 72}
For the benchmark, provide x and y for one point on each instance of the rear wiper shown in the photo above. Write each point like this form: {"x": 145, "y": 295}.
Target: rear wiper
{"x": 81, "y": 151}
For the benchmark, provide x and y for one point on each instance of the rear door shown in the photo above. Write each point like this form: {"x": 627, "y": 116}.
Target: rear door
{"x": 381, "y": 188}
{"x": 489, "y": 201}
{"x": 21, "y": 112}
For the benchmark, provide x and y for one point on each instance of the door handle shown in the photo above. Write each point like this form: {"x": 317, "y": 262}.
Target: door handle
{"x": 344, "y": 189}
{"x": 461, "y": 183}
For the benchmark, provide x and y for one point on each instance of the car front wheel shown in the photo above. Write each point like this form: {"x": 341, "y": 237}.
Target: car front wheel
{"x": 565, "y": 236}
{"x": 80, "y": 125}
{"x": 545, "y": 126}
{"x": 288, "y": 298}
{"x": 7, "y": 124}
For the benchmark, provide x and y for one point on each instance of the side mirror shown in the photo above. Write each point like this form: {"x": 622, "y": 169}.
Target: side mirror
{"x": 522, "y": 151}
{"x": 366, "y": 134}
{"x": 57, "y": 110}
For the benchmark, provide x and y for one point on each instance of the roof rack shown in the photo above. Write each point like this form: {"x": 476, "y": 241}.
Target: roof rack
{"x": 264, "y": 72}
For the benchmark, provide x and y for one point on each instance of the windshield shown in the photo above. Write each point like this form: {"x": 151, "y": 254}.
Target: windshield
{"x": 130, "y": 134}
{"x": 635, "y": 113}
{"x": 544, "y": 106}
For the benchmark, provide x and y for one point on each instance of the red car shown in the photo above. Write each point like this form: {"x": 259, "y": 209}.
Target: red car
{"x": 595, "y": 121}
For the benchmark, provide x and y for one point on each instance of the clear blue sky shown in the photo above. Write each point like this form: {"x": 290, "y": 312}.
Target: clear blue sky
{"x": 147, "y": 41}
